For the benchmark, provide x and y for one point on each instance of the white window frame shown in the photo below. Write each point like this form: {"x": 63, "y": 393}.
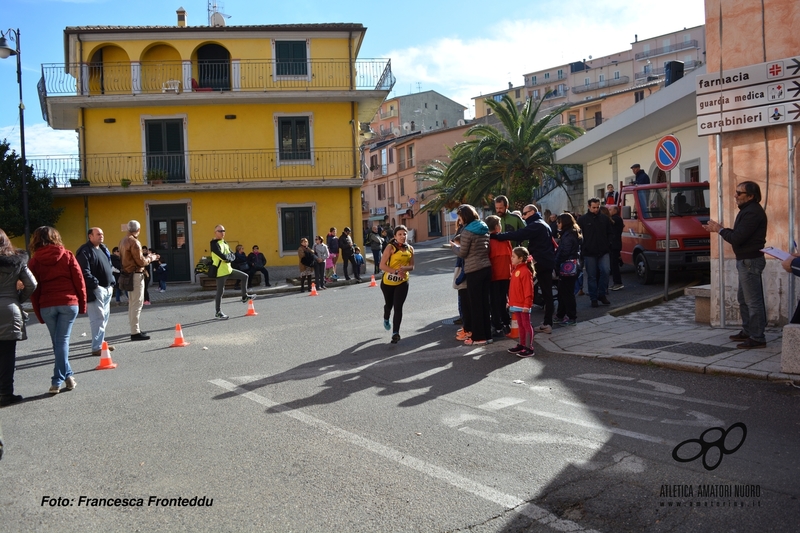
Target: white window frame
{"x": 278, "y": 209}
{"x": 275, "y": 77}
{"x": 185, "y": 118}
{"x": 276, "y": 122}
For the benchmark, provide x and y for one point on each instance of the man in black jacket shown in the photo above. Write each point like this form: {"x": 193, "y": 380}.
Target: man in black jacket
{"x": 95, "y": 261}
{"x": 615, "y": 247}
{"x": 748, "y": 237}
{"x": 540, "y": 245}
{"x": 597, "y": 234}
{"x": 348, "y": 255}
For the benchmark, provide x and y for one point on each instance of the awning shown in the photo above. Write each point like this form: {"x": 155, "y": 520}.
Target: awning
{"x": 401, "y": 212}
{"x": 376, "y": 217}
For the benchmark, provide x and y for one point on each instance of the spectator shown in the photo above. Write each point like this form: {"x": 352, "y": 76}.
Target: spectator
{"x": 116, "y": 268}
{"x": 346, "y": 249}
{"x": 257, "y": 263}
{"x": 553, "y": 223}
{"x": 748, "y": 237}
{"x": 58, "y": 299}
{"x": 474, "y": 249}
{"x": 13, "y": 269}
{"x": 460, "y": 284}
{"x": 615, "y": 247}
{"x": 147, "y": 276}
{"x": 540, "y": 244}
{"x": 612, "y": 196}
{"x": 396, "y": 262}
{"x": 500, "y": 257}
{"x": 307, "y": 262}
{"x": 520, "y": 300}
{"x": 135, "y": 262}
{"x": 240, "y": 263}
{"x": 375, "y": 242}
{"x": 160, "y": 275}
{"x": 641, "y": 177}
{"x": 597, "y": 234}
{"x": 322, "y": 254}
{"x": 508, "y": 221}
{"x": 568, "y": 251}
{"x": 95, "y": 261}
{"x": 792, "y": 265}
{"x": 359, "y": 259}
{"x": 333, "y": 249}
{"x": 222, "y": 258}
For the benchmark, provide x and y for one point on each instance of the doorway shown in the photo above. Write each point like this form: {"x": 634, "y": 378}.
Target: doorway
{"x": 169, "y": 237}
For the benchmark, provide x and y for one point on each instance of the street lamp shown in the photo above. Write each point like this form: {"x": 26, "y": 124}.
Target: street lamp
{"x": 6, "y": 51}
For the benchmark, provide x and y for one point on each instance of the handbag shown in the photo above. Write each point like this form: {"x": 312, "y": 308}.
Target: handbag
{"x": 212, "y": 271}
{"x": 126, "y": 281}
{"x": 568, "y": 268}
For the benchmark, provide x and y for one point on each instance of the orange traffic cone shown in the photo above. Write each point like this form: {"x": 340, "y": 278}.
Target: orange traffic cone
{"x": 372, "y": 282}
{"x": 313, "y": 290}
{"x": 514, "y": 327}
{"x": 251, "y": 309}
{"x": 179, "y": 342}
{"x": 105, "y": 359}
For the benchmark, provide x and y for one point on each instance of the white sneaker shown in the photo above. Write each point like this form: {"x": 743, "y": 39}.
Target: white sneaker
{"x": 544, "y": 328}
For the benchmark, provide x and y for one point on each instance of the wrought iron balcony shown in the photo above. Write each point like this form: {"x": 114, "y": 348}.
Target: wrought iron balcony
{"x": 237, "y": 166}
{"x": 156, "y": 77}
{"x": 601, "y": 84}
{"x": 666, "y": 49}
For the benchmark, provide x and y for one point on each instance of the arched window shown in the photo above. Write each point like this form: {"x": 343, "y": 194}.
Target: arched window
{"x": 214, "y": 67}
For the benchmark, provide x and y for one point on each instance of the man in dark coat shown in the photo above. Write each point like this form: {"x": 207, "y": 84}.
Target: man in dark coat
{"x": 597, "y": 234}
{"x": 348, "y": 254}
{"x": 615, "y": 247}
{"x": 641, "y": 176}
{"x": 748, "y": 237}
{"x": 540, "y": 245}
{"x": 95, "y": 261}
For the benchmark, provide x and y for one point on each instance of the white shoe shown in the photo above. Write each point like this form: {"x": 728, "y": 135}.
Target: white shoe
{"x": 544, "y": 328}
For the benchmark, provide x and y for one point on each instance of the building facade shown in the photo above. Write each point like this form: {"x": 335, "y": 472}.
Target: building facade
{"x": 183, "y": 128}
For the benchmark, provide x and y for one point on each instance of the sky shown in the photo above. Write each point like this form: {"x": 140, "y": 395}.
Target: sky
{"x": 462, "y": 49}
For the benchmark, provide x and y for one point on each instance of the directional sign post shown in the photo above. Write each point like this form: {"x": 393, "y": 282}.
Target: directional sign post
{"x": 668, "y": 155}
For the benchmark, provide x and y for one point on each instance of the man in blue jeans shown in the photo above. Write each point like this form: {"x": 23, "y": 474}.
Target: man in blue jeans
{"x": 747, "y": 238}
{"x": 597, "y": 232}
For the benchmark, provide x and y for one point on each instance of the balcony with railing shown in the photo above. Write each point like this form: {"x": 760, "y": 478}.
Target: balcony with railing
{"x": 558, "y": 93}
{"x": 158, "y": 77}
{"x": 601, "y": 84}
{"x": 193, "y": 167}
{"x": 388, "y": 114}
{"x": 641, "y": 56}
{"x": 687, "y": 66}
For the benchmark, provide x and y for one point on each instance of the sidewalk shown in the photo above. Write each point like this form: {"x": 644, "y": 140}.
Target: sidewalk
{"x": 667, "y": 335}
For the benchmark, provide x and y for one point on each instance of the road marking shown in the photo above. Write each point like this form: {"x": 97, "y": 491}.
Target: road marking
{"x": 701, "y": 420}
{"x": 500, "y": 403}
{"x": 663, "y": 394}
{"x": 657, "y": 385}
{"x": 634, "y": 399}
{"x": 456, "y": 480}
{"x": 535, "y": 437}
{"x": 583, "y": 423}
{"x": 609, "y": 411}
{"x": 424, "y": 375}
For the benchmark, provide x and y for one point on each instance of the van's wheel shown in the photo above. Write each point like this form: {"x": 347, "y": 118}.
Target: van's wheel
{"x": 643, "y": 270}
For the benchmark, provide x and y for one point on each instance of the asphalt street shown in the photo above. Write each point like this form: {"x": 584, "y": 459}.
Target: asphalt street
{"x": 305, "y": 418}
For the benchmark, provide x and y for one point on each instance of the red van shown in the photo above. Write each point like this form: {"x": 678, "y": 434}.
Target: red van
{"x": 644, "y": 211}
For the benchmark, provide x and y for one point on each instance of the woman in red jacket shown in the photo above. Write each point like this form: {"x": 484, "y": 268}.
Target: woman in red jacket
{"x": 59, "y": 297}
{"x": 520, "y": 299}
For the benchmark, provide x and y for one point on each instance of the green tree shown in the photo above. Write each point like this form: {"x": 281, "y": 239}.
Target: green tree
{"x": 492, "y": 162}
{"x": 40, "y": 197}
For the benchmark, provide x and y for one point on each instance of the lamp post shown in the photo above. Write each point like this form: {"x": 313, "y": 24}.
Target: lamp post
{"x": 6, "y": 51}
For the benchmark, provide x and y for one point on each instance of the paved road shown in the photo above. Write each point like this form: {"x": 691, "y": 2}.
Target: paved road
{"x": 304, "y": 418}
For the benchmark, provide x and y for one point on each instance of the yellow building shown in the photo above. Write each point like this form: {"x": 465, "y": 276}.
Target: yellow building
{"x": 183, "y": 128}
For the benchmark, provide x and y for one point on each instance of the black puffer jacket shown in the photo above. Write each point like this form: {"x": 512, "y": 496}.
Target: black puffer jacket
{"x": 13, "y": 268}
{"x": 749, "y": 233}
{"x": 597, "y": 234}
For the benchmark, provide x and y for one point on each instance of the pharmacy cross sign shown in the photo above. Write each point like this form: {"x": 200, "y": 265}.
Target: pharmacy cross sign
{"x": 668, "y": 153}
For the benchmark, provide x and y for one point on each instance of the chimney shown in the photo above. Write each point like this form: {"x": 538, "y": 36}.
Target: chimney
{"x": 510, "y": 85}
{"x": 636, "y": 37}
{"x": 181, "y": 17}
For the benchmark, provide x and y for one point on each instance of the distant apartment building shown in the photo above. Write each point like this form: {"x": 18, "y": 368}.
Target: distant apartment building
{"x": 517, "y": 94}
{"x": 423, "y": 111}
{"x": 600, "y": 88}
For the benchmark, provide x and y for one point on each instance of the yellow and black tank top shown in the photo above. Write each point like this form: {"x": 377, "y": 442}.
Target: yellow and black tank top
{"x": 401, "y": 257}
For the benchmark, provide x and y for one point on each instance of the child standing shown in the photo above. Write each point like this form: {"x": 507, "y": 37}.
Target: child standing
{"x": 520, "y": 299}
{"x": 160, "y": 275}
{"x": 359, "y": 259}
{"x": 500, "y": 257}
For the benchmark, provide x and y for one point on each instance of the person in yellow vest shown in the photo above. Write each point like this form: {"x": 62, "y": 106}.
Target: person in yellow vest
{"x": 221, "y": 258}
{"x": 396, "y": 262}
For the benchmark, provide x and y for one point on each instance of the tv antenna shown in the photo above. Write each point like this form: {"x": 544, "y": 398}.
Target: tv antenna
{"x": 215, "y": 16}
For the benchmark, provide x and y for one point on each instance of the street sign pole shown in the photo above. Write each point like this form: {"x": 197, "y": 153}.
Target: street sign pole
{"x": 666, "y": 256}
{"x": 668, "y": 155}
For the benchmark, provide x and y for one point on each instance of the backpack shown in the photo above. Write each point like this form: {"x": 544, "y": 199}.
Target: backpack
{"x": 308, "y": 259}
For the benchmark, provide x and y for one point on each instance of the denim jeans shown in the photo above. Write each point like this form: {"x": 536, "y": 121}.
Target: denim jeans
{"x": 751, "y": 297}
{"x": 376, "y": 258}
{"x": 59, "y": 320}
{"x": 98, "y": 312}
{"x": 597, "y": 270}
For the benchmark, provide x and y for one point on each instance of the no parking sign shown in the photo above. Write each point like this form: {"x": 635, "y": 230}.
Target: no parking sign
{"x": 668, "y": 153}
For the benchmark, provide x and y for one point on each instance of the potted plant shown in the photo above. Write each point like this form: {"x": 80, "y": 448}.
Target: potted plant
{"x": 156, "y": 176}
{"x": 79, "y": 183}
{"x": 125, "y": 182}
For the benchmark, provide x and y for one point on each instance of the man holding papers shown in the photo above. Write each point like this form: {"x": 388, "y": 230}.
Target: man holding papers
{"x": 748, "y": 237}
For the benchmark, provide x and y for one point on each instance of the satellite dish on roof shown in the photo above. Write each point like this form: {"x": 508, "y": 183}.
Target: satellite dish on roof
{"x": 460, "y": 122}
{"x": 396, "y": 131}
{"x": 217, "y": 20}
{"x": 406, "y": 126}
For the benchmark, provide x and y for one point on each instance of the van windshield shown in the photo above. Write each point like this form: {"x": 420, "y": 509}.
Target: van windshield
{"x": 684, "y": 201}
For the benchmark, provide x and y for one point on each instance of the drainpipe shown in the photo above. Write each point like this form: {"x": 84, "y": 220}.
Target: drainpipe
{"x": 720, "y": 244}
{"x": 81, "y": 129}
{"x": 792, "y": 247}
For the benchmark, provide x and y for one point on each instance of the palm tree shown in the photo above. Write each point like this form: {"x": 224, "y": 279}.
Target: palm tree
{"x": 491, "y": 162}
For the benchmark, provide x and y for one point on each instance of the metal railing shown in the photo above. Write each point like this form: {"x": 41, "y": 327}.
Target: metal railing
{"x": 388, "y": 114}
{"x": 156, "y": 77}
{"x": 556, "y": 94}
{"x": 667, "y": 49}
{"x": 601, "y": 84}
{"x": 589, "y": 123}
{"x": 687, "y": 65}
{"x": 192, "y": 167}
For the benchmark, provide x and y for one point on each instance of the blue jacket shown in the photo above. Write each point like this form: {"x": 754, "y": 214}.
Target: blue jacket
{"x": 540, "y": 240}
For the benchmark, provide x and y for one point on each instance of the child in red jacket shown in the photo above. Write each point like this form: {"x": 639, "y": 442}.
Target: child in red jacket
{"x": 520, "y": 299}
